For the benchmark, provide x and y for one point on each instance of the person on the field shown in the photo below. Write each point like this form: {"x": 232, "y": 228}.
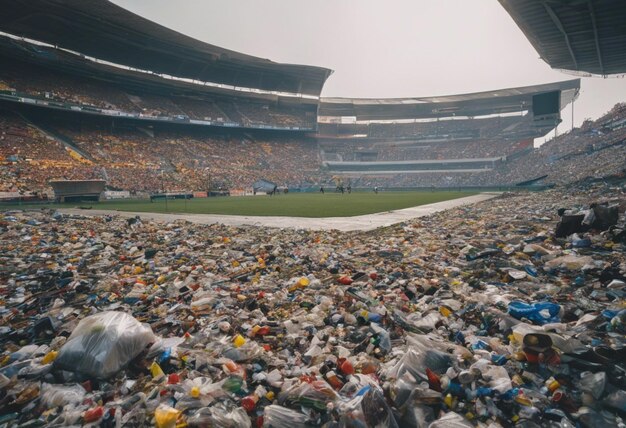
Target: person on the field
{"x": 376, "y": 189}
{"x": 322, "y": 189}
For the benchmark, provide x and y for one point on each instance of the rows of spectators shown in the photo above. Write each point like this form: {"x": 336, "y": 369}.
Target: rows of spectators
{"x": 597, "y": 149}
{"x": 139, "y": 162}
{"x": 253, "y": 114}
{"x": 29, "y": 159}
{"x": 185, "y": 159}
{"x": 481, "y": 128}
{"x": 202, "y": 109}
{"x": 62, "y": 87}
{"x": 462, "y": 149}
{"x": 65, "y": 88}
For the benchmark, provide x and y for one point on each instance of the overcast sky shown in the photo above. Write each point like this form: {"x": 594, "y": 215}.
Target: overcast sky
{"x": 390, "y": 48}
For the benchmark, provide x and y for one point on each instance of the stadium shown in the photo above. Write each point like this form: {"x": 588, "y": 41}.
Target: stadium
{"x": 146, "y": 130}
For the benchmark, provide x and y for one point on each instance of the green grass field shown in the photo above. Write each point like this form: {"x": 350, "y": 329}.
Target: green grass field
{"x": 292, "y": 205}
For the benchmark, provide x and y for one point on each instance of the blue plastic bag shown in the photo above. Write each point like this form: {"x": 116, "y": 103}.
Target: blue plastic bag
{"x": 540, "y": 313}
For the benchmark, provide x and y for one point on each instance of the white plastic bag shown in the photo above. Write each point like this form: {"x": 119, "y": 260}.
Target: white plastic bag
{"x": 102, "y": 344}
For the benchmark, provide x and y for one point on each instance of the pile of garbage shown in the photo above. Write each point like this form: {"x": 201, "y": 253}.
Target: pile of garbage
{"x": 476, "y": 316}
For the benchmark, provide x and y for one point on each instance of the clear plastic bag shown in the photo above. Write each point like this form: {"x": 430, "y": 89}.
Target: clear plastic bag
{"x": 423, "y": 352}
{"x": 433, "y": 342}
{"x": 368, "y": 408}
{"x": 281, "y": 417}
{"x": 104, "y": 343}
{"x": 60, "y": 396}
{"x": 416, "y": 415}
{"x": 593, "y": 383}
{"x": 451, "y": 420}
{"x": 312, "y": 395}
{"x": 224, "y": 415}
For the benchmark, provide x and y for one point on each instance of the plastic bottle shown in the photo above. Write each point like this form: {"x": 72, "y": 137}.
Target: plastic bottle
{"x": 156, "y": 370}
{"x": 433, "y": 380}
{"x": 239, "y": 341}
{"x": 383, "y": 335}
{"x": 232, "y": 384}
{"x": 194, "y": 392}
{"x": 333, "y": 380}
{"x": 93, "y": 415}
{"x": 345, "y": 366}
{"x": 49, "y": 357}
{"x": 166, "y": 416}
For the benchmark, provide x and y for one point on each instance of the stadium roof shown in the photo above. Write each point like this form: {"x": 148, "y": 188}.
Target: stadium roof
{"x": 474, "y": 104}
{"x": 103, "y": 30}
{"x": 578, "y": 35}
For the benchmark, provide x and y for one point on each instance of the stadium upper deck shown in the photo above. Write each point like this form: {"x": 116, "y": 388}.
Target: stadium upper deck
{"x": 102, "y": 30}
{"x": 208, "y": 78}
{"x": 504, "y": 113}
{"x": 37, "y": 85}
{"x": 511, "y": 100}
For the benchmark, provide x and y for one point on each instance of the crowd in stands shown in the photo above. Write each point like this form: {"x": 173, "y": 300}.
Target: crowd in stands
{"x": 64, "y": 88}
{"x": 135, "y": 161}
{"x": 255, "y": 114}
{"x": 202, "y": 109}
{"x": 29, "y": 159}
{"x": 183, "y": 159}
{"x": 597, "y": 149}
{"x": 191, "y": 161}
{"x": 401, "y": 151}
{"x": 434, "y": 130}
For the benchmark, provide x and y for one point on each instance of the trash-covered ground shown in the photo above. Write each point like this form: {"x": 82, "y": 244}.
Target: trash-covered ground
{"x": 477, "y": 316}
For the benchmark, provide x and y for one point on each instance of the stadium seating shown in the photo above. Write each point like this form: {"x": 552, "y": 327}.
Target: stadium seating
{"x": 595, "y": 150}
{"x": 132, "y": 160}
{"x": 187, "y": 159}
{"x": 400, "y": 151}
{"x": 43, "y": 83}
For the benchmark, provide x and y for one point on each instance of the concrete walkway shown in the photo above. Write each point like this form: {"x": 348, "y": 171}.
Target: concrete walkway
{"x": 344, "y": 224}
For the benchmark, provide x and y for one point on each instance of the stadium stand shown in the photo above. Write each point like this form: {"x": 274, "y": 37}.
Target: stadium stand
{"x": 461, "y": 134}
{"x": 188, "y": 159}
{"x": 499, "y": 126}
{"x": 473, "y": 105}
{"x": 129, "y": 159}
{"x": 20, "y": 80}
{"x": 29, "y": 159}
{"x": 74, "y": 109}
{"x": 595, "y": 150}
{"x": 130, "y": 40}
{"x": 406, "y": 151}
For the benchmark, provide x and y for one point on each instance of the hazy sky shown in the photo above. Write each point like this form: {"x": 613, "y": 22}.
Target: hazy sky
{"x": 391, "y": 48}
